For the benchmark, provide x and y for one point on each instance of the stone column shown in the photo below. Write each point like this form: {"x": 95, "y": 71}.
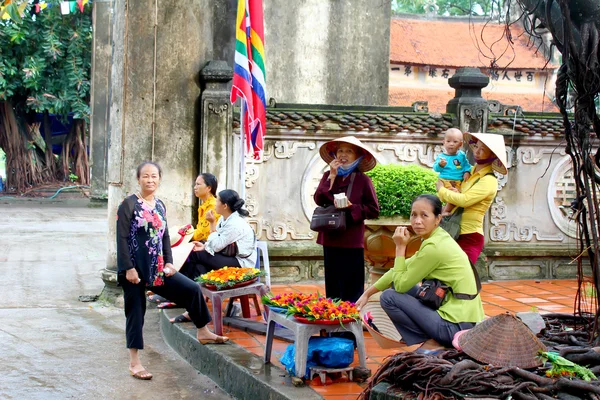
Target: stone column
{"x": 101, "y": 63}
{"x": 216, "y": 138}
{"x": 470, "y": 109}
{"x": 153, "y": 100}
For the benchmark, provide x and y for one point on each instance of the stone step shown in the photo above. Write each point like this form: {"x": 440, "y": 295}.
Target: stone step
{"x": 237, "y": 371}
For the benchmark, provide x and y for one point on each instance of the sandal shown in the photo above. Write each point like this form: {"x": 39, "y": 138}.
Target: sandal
{"x": 217, "y": 340}
{"x": 167, "y": 304}
{"x": 142, "y": 375}
{"x": 179, "y": 319}
{"x": 432, "y": 352}
{"x": 155, "y": 298}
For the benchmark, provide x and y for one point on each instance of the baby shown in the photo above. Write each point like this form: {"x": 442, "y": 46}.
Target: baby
{"x": 452, "y": 164}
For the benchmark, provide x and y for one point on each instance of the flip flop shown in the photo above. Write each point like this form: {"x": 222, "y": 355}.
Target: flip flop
{"x": 218, "y": 340}
{"x": 167, "y": 304}
{"x": 142, "y": 375}
{"x": 155, "y": 298}
{"x": 180, "y": 318}
{"x": 431, "y": 352}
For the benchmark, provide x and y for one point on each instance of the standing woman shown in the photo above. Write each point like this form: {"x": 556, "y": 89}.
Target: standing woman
{"x": 478, "y": 192}
{"x": 145, "y": 263}
{"x": 343, "y": 251}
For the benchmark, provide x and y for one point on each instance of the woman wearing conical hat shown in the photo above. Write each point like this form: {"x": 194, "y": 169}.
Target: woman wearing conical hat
{"x": 343, "y": 251}
{"x": 478, "y": 192}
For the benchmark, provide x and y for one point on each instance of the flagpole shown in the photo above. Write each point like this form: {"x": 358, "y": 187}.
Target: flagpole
{"x": 242, "y": 154}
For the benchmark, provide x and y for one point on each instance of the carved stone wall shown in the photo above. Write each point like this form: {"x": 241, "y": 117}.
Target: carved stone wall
{"x": 528, "y": 230}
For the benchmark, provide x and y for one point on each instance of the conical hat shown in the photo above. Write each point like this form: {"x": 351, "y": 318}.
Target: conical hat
{"x": 496, "y": 144}
{"x": 388, "y": 336}
{"x": 181, "y": 247}
{"x": 502, "y": 341}
{"x": 328, "y": 149}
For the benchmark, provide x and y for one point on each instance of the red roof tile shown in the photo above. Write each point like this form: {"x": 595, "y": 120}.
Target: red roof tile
{"x": 438, "y": 98}
{"x": 459, "y": 43}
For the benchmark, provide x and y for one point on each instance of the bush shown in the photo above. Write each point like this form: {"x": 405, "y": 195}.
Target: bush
{"x": 397, "y": 185}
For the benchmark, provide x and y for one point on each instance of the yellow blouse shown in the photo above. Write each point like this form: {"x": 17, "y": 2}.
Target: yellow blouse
{"x": 203, "y": 229}
{"x": 478, "y": 193}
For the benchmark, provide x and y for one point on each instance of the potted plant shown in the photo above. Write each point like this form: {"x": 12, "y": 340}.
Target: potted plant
{"x": 396, "y": 186}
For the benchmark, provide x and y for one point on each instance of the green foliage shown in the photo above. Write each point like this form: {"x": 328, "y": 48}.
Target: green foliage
{"x": 447, "y": 7}
{"x": 397, "y": 185}
{"x": 45, "y": 61}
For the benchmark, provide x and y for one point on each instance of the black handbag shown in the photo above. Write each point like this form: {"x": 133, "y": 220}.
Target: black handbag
{"x": 432, "y": 293}
{"x": 330, "y": 218}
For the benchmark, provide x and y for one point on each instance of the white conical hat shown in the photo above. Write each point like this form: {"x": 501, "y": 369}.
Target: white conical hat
{"x": 388, "y": 336}
{"x": 328, "y": 149}
{"x": 496, "y": 144}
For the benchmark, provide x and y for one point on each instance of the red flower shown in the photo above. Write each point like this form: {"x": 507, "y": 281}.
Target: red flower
{"x": 161, "y": 263}
{"x": 158, "y": 281}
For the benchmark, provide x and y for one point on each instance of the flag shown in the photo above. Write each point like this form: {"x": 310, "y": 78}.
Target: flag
{"x": 249, "y": 82}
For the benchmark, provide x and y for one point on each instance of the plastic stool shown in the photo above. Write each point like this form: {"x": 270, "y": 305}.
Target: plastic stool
{"x": 302, "y": 334}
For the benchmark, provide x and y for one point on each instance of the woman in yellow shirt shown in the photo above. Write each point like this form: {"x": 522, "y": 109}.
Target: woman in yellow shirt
{"x": 205, "y": 189}
{"x": 478, "y": 192}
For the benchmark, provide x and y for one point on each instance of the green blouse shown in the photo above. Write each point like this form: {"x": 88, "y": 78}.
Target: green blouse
{"x": 441, "y": 258}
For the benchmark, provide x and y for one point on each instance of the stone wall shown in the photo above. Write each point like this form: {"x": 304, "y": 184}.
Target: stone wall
{"x": 528, "y": 232}
{"x": 328, "y": 51}
{"x": 154, "y": 96}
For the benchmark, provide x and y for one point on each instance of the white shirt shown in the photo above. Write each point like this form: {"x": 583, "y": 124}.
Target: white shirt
{"x": 234, "y": 229}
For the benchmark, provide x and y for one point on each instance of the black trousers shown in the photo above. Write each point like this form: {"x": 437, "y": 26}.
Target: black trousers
{"x": 201, "y": 262}
{"x": 177, "y": 288}
{"x": 344, "y": 272}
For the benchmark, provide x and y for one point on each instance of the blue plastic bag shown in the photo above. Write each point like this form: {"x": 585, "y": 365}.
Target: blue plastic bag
{"x": 330, "y": 352}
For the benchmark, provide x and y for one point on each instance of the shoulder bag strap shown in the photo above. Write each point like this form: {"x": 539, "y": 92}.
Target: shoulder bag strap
{"x": 463, "y": 296}
{"x": 351, "y": 184}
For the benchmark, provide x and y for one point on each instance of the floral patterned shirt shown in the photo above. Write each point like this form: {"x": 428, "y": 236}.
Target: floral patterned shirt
{"x": 143, "y": 239}
{"x": 203, "y": 229}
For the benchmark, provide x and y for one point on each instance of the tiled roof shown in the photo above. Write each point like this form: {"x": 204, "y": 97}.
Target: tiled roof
{"x": 438, "y": 98}
{"x": 459, "y": 43}
{"x": 528, "y": 125}
{"x": 315, "y": 120}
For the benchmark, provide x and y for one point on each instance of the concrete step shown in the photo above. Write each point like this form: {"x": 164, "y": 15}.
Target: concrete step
{"x": 237, "y": 371}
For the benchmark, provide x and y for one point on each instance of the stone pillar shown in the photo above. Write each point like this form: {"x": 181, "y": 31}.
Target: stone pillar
{"x": 154, "y": 95}
{"x": 216, "y": 127}
{"x": 101, "y": 63}
{"x": 470, "y": 109}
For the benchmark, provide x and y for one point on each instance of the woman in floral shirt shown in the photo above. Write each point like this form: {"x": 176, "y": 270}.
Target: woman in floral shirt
{"x": 145, "y": 262}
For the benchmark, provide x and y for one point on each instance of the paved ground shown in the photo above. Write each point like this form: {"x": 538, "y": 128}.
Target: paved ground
{"x": 498, "y": 297}
{"x": 56, "y": 347}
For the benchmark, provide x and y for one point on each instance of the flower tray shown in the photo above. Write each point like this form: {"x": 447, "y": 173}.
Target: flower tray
{"x": 323, "y": 321}
{"x": 236, "y": 285}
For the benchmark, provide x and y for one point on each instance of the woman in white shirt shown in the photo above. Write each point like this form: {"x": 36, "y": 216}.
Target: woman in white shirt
{"x": 230, "y": 229}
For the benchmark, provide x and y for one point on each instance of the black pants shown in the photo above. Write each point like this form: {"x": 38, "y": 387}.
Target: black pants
{"x": 344, "y": 272}
{"x": 201, "y": 262}
{"x": 177, "y": 288}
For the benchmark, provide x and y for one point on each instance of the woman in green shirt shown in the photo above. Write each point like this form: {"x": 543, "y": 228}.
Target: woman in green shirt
{"x": 439, "y": 257}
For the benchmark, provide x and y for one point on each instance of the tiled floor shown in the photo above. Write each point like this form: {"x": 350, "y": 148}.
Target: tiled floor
{"x": 498, "y": 297}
